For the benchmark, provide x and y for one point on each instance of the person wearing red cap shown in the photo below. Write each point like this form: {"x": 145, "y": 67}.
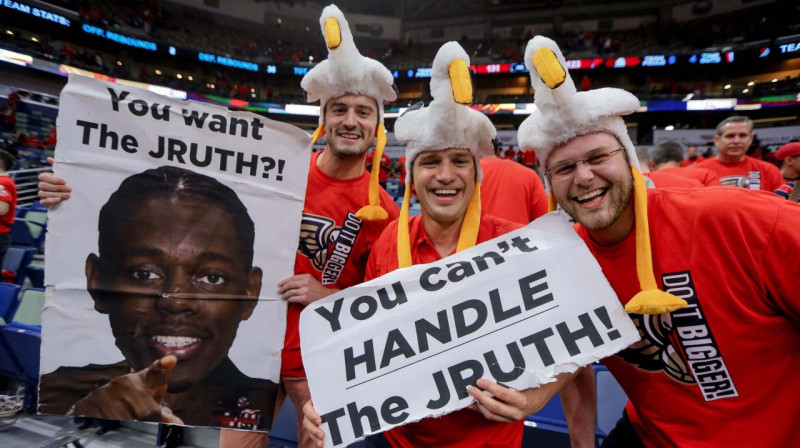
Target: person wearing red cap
{"x": 734, "y": 167}
{"x": 789, "y": 156}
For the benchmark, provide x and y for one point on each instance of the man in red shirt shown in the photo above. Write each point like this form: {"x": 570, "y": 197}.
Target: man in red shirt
{"x": 789, "y": 157}
{"x": 385, "y": 166}
{"x": 663, "y": 179}
{"x": 443, "y": 143}
{"x": 511, "y": 191}
{"x": 720, "y": 371}
{"x": 693, "y": 157}
{"x": 732, "y": 165}
{"x": 666, "y": 158}
{"x": 8, "y": 202}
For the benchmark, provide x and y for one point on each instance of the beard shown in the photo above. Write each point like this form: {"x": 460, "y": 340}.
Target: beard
{"x": 619, "y": 195}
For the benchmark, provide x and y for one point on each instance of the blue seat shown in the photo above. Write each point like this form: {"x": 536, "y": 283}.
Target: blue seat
{"x": 548, "y": 427}
{"x": 27, "y": 233}
{"x": 29, "y": 311}
{"x": 9, "y": 298}
{"x": 17, "y": 259}
{"x": 25, "y": 345}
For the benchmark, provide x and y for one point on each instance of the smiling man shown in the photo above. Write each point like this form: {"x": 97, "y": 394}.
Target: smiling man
{"x": 732, "y": 165}
{"x": 721, "y": 370}
{"x": 174, "y": 273}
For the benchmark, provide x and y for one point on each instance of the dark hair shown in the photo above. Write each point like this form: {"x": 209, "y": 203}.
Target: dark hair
{"x": 7, "y": 160}
{"x": 668, "y": 151}
{"x": 171, "y": 181}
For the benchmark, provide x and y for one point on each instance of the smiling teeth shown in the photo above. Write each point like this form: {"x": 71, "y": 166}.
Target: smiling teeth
{"x": 590, "y": 195}
{"x": 445, "y": 192}
{"x": 175, "y": 341}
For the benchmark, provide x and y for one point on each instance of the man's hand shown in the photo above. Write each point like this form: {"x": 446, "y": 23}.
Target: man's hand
{"x": 303, "y": 289}
{"x": 52, "y": 189}
{"x": 312, "y": 422}
{"x": 135, "y": 396}
{"x": 508, "y": 405}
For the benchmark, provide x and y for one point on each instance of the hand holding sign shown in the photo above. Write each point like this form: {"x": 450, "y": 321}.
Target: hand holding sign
{"x": 135, "y": 396}
{"x": 509, "y": 405}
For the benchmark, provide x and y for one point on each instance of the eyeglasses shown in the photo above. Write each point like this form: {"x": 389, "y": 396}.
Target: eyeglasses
{"x": 566, "y": 168}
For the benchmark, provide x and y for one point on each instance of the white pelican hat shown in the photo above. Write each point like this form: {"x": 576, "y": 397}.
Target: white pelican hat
{"x": 561, "y": 114}
{"x": 447, "y": 122}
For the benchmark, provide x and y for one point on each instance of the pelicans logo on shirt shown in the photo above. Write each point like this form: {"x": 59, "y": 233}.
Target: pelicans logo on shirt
{"x": 681, "y": 343}
{"x": 320, "y": 234}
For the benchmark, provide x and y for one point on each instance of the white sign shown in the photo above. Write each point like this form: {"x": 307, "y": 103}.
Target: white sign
{"x": 518, "y": 310}
{"x": 183, "y": 218}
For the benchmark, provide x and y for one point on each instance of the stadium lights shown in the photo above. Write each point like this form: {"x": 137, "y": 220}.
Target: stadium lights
{"x": 669, "y": 128}
{"x": 119, "y": 63}
{"x": 190, "y": 78}
{"x": 179, "y": 76}
{"x": 727, "y": 86}
{"x": 775, "y": 80}
{"x": 751, "y": 84}
{"x": 9, "y": 32}
{"x": 745, "y": 90}
{"x": 158, "y": 72}
{"x": 35, "y": 39}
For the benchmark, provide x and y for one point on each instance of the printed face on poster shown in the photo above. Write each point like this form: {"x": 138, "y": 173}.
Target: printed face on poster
{"x": 183, "y": 218}
{"x": 518, "y": 310}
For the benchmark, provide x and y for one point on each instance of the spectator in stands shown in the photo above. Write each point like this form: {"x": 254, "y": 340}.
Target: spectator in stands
{"x": 510, "y": 153}
{"x": 667, "y": 157}
{"x": 692, "y": 156}
{"x": 732, "y": 165}
{"x": 401, "y": 178}
{"x": 9, "y": 117}
{"x": 662, "y": 179}
{"x": 33, "y": 141}
{"x": 384, "y": 168}
{"x": 721, "y": 371}
{"x": 789, "y": 154}
{"x": 162, "y": 297}
{"x": 8, "y": 201}
{"x": 789, "y": 157}
{"x": 52, "y": 138}
{"x": 510, "y": 190}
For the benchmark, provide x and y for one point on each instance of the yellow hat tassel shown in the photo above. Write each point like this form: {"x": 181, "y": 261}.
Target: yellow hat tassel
{"x": 318, "y": 133}
{"x": 403, "y": 239}
{"x": 472, "y": 221}
{"x": 374, "y": 211}
{"x": 552, "y": 204}
{"x": 650, "y": 300}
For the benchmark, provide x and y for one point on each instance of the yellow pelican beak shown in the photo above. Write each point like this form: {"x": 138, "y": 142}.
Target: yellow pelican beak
{"x": 333, "y": 35}
{"x": 549, "y": 69}
{"x": 460, "y": 82}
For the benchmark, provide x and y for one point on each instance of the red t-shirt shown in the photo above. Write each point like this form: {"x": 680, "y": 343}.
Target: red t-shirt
{"x": 386, "y": 163}
{"x": 723, "y": 371}
{"x": 666, "y": 179}
{"x": 511, "y": 191}
{"x": 459, "y": 429}
{"x": 692, "y": 162}
{"x": 749, "y": 173}
{"x": 528, "y": 157}
{"x": 401, "y": 162}
{"x": 329, "y": 204}
{"x": 8, "y": 194}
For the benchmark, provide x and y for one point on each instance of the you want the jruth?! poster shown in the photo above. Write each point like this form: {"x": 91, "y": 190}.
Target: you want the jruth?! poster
{"x": 518, "y": 310}
{"x": 183, "y": 218}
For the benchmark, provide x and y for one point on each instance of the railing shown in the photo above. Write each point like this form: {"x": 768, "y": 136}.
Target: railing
{"x": 27, "y": 181}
